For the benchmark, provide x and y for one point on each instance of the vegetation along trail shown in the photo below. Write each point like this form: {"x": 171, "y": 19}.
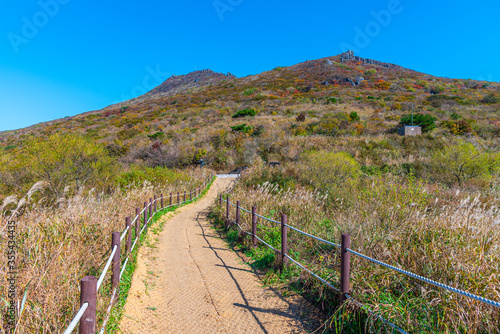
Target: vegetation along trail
{"x": 191, "y": 282}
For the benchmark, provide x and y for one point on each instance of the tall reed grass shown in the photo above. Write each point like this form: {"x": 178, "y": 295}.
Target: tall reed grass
{"x": 444, "y": 234}
{"x": 57, "y": 246}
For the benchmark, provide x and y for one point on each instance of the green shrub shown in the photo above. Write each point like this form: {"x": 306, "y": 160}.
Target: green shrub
{"x": 426, "y": 121}
{"x": 245, "y": 112}
{"x": 326, "y": 169}
{"x": 354, "y": 116}
{"x": 331, "y": 100}
{"x": 459, "y": 163}
{"x": 63, "y": 161}
{"x": 490, "y": 99}
{"x": 157, "y": 135}
{"x": 242, "y": 128}
{"x": 459, "y": 127}
{"x": 437, "y": 89}
{"x": 249, "y": 91}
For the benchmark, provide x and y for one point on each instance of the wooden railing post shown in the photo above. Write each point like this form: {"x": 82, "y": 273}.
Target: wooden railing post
{"x": 345, "y": 267}
{"x": 227, "y": 208}
{"x": 115, "y": 263}
{"x": 170, "y": 199}
{"x": 88, "y": 294}
{"x": 284, "y": 241}
{"x": 238, "y": 212}
{"x": 150, "y": 207}
{"x": 154, "y": 207}
{"x": 254, "y": 226}
{"x": 184, "y": 197}
{"x": 137, "y": 222}
{"x": 162, "y": 206}
{"x": 178, "y": 199}
{"x": 190, "y": 195}
{"x": 145, "y": 213}
{"x": 128, "y": 224}
{"x": 220, "y": 201}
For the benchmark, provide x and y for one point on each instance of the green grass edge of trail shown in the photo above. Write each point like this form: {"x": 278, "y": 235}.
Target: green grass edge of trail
{"x": 335, "y": 319}
{"x": 126, "y": 280}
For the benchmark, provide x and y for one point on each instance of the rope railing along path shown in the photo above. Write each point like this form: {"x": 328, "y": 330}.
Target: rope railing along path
{"x": 345, "y": 251}
{"x": 90, "y": 285}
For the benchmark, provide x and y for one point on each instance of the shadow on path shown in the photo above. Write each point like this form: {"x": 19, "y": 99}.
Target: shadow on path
{"x": 247, "y": 305}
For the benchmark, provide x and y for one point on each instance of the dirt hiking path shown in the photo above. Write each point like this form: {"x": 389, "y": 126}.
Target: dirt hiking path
{"x": 191, "y": 282}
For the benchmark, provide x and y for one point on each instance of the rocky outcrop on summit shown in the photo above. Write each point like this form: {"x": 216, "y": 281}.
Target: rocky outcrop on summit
{"x": 177, "y": 84}
{"x": 349, "y": 55}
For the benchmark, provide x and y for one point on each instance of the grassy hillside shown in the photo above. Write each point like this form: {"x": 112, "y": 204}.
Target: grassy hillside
{"x": 174, "y": 125}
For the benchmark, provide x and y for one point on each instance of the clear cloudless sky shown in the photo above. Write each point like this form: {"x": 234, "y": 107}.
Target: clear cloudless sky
{"x": 63, "y": 57}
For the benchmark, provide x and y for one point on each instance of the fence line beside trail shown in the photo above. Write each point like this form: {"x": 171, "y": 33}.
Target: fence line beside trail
{"x": 345, "y": 251}
{"x": 86, "y": 316}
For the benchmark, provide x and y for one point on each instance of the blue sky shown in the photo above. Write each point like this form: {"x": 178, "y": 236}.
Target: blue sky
{"x": 64, "y": 57}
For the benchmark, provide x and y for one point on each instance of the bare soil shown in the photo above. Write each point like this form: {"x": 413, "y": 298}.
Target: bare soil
{"x": 191, "y": 282}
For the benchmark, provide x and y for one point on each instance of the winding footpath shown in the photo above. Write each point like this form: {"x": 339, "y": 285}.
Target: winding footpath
{"x": 191, "y": 282}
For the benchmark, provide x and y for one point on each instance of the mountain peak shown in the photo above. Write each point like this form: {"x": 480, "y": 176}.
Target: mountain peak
{"x": 180, "y": 83}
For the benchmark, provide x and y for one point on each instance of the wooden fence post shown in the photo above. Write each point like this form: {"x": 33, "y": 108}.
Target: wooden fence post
{"x": 137, "y": 222}
{"x": 284, "y": 241}
{"x": 155, "y": 198}
{"x": 170, "y": 199}
{"x": 254, "y": 226}
{"x": 184, "y": 197}
{"x": 220, "y": 201}
{"x": 178, "y": 199}
{"x": 145, "y": 214}
{"x": 115, "y": 263}
{"x": 227, "y": 208}
{"x": 237, "y": 212}
{"x": 128, "y": 224}
{"x": 345, "y": 267}
{"x": 88, "y": 294}
{"x": 150, "y": 208}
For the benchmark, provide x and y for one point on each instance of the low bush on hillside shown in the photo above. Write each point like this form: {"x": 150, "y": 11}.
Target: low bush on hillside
{"x": 245, "y": 112}
{"x": 242, "y": 128}
{"x": 426, "y": 121}
{"x": 66, "y": 162}
{"x": 462, "y": 162}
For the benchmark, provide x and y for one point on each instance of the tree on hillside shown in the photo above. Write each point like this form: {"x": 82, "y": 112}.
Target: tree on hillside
{"x": 426, "y": 121}
{"x": 463, "y": 162}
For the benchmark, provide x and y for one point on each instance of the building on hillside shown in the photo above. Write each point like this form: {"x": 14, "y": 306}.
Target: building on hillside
{"x": 410, "y": 130}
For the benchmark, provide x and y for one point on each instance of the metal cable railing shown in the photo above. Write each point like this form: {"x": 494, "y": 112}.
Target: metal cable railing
{"x": 106, "y": 267}
{"x": 314, "y": 237}
{"x": 77, "y": 318}
{"x": 427, "y": 280}
{"x": 268, "y": 219}
{"x": 128, "y": 229}
{"x": 124, "y": 234}
{"x": 313, "y": 274}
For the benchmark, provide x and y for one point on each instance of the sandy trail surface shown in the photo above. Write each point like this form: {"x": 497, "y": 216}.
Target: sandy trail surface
{"x": 191, "y": 282}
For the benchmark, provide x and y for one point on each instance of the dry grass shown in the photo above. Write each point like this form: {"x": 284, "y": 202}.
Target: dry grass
{"x": 444, "y": 234}
{"x": 59, "y": 246}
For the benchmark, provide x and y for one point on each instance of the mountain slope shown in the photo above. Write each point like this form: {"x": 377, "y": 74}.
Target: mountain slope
{"x": 342, "y": 96}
